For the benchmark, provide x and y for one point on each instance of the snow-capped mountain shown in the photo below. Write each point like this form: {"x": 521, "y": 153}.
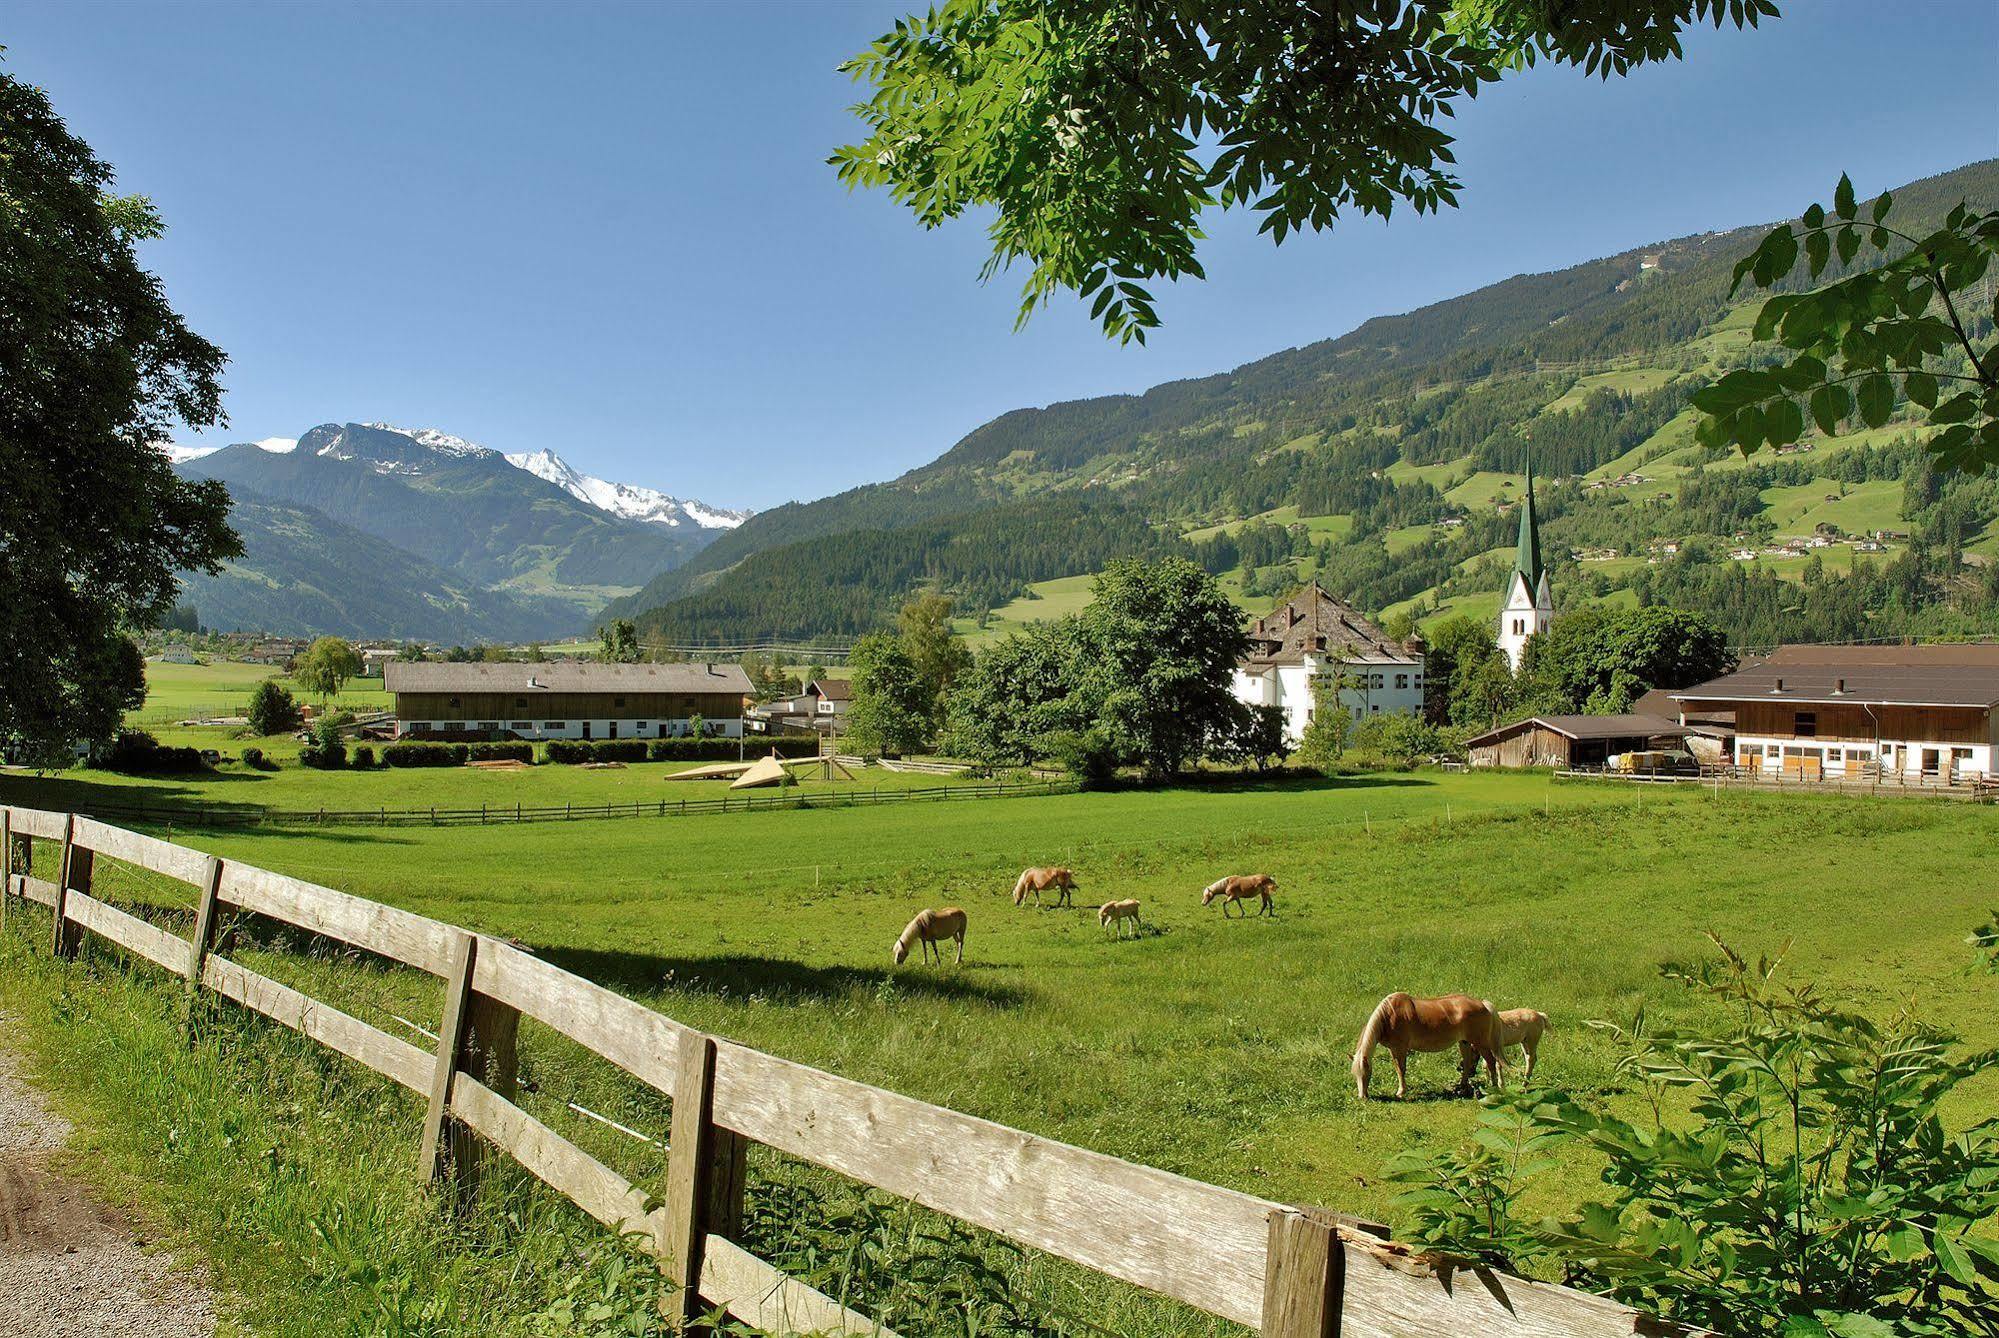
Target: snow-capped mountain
{"x": 625, "y": 499}
{"x": 180, "y": 455}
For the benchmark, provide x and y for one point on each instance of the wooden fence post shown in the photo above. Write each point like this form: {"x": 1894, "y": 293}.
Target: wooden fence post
{"x": 704, "y": 1175}
{"x": 1304, "y": 1277}
{"x": 433, "y": 1160}
{"x": 204, "y": 929}
{"x": 77, "y": 860}
{"x": 6, "y": 862}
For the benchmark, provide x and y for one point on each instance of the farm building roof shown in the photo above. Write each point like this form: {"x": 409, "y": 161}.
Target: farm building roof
{"x": 832, "y": 689}
{"x": 1945, "y": 675}
{"x": 1313, "y": 622}
{"x": 1589, "y": 727}
{"x": 563, "y": 676}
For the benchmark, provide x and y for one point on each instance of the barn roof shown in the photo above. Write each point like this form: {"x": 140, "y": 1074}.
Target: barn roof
{"x": 1588, "y": 727}
{"x": 565, "y": 676}
{"x": 1942, "y": 675}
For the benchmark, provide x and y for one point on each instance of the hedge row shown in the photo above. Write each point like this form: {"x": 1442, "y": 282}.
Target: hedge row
{"x": 676, "y": 750}
{"x": 417, "y": 753}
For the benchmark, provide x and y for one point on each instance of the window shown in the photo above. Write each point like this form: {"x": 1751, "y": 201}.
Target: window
{"x": 489, "y": 725}
{"x": 523, "y": 724}
{"x": 416, "y": 724}
{"x": 1519, "y": 626}
{"x": 1749, "y": 752}
{"x": 555, "y": 724}
{"x": 1806, "y": 725}
{"x": 1402, "y": 680}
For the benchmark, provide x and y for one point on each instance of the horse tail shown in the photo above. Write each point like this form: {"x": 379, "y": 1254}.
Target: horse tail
{"x": 1370, "y": 1035}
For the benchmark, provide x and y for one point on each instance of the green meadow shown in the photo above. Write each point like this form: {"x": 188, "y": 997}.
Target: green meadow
{"x": 1217, "y": 1048}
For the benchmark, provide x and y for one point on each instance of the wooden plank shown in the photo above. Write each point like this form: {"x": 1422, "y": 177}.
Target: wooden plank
{"x": 204, "y": 921}
{"x": 397, "y": 934}
{"x": 1194, "y": 1242}
{"x": 126, "y": 930}
{"x": 40, "y": 823}
{"x": 638, "y": 1040}
{"x": 6, "y": 862}
{"x": 689, "y": 1164}
{"x": 148, "y": 852}
{"x": 450, "y": 1047}
{"x": 1303, "y": 1278}
{"x": 64, "y": 937}
{"x": 1392, "y": 1291}
{"x": 30, "y": 888}
{"x": 773, "y": 1302}
{"x": 388, "y": 1055}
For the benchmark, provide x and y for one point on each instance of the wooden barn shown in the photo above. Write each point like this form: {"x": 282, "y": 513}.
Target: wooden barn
{"x": 1571, "y": 740}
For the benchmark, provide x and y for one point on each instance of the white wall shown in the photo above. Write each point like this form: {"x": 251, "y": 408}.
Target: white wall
{"x": 1384, "y": 689}
{"x": 1901, "y": 757}
{"x": 573, "y": 729}
{"x": 1527, "y": 614}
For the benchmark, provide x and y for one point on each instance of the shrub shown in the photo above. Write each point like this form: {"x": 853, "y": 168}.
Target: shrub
{"x": 273, "y": 710}
{"x": 509, "y": 750}
{"x": 327, "y": 751}
{"x": 423, "y": 754}
{"x": 364, "y": 756}
{"x": 727, "y": 750}
{"x": 1810, "y": 1188}
{"x": 254, "y": 759}
{"x": 136, "y": 751}
{"x": 1085, "y": 754}
{"x": 600, "y": 750}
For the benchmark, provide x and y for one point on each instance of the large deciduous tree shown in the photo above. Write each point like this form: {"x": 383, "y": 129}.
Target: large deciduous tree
{"x": 326, "y": 666}
{"x": 891, "y": 709}
{"x": 95, "y": 367}
{"x": 1099, "y": 131}
{"x": 924, "y": 626}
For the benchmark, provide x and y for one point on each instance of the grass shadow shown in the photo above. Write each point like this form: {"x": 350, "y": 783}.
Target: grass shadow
{"x": 739, "y": 975}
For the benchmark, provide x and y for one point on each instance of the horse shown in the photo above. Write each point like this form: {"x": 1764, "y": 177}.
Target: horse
{"x": 929, "y": 928}
{"x": 1238, "y": 888}
{"x": 1403, "y": 1024}
{"x": 1116, "y": 913}
{"x": 1038, "y": 881}
{"x": 1522, "y": 1027}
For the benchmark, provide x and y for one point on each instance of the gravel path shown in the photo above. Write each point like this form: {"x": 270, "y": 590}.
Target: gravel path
{"x": 71, "y": 1266}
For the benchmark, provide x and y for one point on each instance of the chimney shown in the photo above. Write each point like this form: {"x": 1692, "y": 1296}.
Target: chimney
{"x": 1839, "y": 687}
{"x": 1779, "y": 687}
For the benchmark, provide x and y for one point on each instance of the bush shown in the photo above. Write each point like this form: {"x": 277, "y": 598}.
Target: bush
{"x": 136, "y": 751}
{"x": 422, "y": 754}
{"x": 273, "y": 710}
{"x": 254, "y": 759}
{"x": 575, "y": 751}
{"x": 1792, "y": 1174}
{"x": 327, "y": 751}
{"x": 364, "y": 756}
{"x": 1085, "y": 754}
{"x": 728, "y": 750}
{"x": 508, "y": 750}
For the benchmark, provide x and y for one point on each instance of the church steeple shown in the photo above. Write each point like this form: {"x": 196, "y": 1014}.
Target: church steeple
{"x": 1527, "y": 559}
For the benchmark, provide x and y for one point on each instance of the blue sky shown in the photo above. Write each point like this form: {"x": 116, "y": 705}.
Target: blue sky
{"x": 609, "y": 230}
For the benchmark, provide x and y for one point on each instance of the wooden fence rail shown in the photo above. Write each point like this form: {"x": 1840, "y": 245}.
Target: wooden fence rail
{"x": 489, "y": 814}
{"x": 1286, "y": 1272}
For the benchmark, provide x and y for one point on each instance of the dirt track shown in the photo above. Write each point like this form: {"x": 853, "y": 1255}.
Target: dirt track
{"x": 71, "y": 1266}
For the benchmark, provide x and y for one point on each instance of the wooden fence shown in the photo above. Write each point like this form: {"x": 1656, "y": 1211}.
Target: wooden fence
{"x": 172, "y": 815}
{"x": 1287, "y": 1272}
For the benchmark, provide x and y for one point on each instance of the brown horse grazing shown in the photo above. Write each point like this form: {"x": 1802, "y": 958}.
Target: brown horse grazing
{"x": 1403, "y": 1024}
{"x": 930, "y": 928}
{"x": 1522, "y": 1027}
{"x": 1038, "y": 881}
{"x": 1116, "y": 913}
{"x": 1238, "y": 888}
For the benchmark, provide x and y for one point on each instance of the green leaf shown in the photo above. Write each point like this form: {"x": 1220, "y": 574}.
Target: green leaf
{"x": 1952, "y": 1258}
{"x": 1876, "y": 399}
{"x": 1830, "y": 405}
{"x": 1881, "y": 203}
{"x": 1784, "y": 421}
{"x": 1861, "y": 1326}
{"x": 1849, "y": 244}
{"x": 1904, "y": 1242}
{"x": 1842, "y": 197}
{"x": 1921, "y": 387}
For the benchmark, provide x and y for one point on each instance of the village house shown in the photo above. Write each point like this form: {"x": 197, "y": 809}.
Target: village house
{"x": 1843, "y": 712}
{"x": 1314, "y": 633}
{"x": 822, "y": 705}
{"x": 1571, "y": 741}
{"x": 561, "y": 700}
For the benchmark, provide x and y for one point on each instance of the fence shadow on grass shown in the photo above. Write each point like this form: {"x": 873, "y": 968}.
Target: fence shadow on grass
{"x": 739, "y": 976}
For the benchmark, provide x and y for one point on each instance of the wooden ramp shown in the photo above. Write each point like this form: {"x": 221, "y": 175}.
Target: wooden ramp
{"x": 714, "y": 771}
{"x": 764, "y": 771}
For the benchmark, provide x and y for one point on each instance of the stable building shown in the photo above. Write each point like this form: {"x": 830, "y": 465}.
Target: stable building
{"x": 559, "y": 700}
{"x": 1572, "y": 742}
{"x": 1913, "y": 713}
{"x": 1314, "y": 633}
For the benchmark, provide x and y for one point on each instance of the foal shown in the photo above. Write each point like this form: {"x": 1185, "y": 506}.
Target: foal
{"x": 1522, "y": 1027}
{"x": 1116, "y": 913}
{"x": 1238, "y": 888}
{"x": 1403, "y": 1023}
{"x": 930, "y": 928}
{"x": 1038, "y": 881}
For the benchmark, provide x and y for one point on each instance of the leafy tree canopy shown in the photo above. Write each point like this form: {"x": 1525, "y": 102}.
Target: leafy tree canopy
{"x": 1916, "y": 327}
{"x": 326, "y": 666}
{"x": 891, "y": 707}
{"x": 95, "y": 367}
{"x": 1099, "y": 131}
{"x": 272, "y": 709}
{"x": 924, "y": 626}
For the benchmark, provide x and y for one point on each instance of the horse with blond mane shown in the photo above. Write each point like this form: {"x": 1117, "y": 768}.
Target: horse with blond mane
{"x": 930, "y": 928}
{"x": 1238, "y": 888}
{"x": 1403, "y": 1023}
{"x": 1038, "y": 881}
{"x": 1116, "y": 913}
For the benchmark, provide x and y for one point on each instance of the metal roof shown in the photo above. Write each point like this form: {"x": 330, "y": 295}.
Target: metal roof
{"x": 1590, "y": 727}
{"x": 565, "y": 676}
{"x": 1965, "y": 675}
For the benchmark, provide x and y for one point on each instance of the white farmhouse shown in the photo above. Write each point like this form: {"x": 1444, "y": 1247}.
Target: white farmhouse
{"x": 1314, "y": 633}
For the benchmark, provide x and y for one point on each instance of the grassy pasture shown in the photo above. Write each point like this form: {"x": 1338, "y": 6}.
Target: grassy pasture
{"x": 222, "y": 687}
{"x": 1214, "y": 1048}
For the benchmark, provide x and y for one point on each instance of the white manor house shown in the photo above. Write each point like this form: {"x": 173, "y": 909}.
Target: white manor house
{"x": 1314, "y": 633}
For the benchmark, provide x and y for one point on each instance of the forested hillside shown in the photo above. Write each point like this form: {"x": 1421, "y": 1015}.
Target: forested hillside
{"x": 1385, "y": 461}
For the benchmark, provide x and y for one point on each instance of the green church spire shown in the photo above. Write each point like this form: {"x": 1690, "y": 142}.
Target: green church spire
{"x": 1527, "y": 561}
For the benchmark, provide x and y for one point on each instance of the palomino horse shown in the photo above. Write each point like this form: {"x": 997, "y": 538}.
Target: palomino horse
{"x": 1403, "y": 1024}
{"x": 1237, "y": 888}
{"x": 1038, "y": 881}
{"x": 1522, "y": 1027}
{"x": 930, "y": 928}
{"x": 1116, "y": 913}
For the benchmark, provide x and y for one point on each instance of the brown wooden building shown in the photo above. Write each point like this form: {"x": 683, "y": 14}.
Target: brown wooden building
{"x": 1831, "y": 712}
{"x": 557, "y": 700}
{"x": 1588, "y": 741}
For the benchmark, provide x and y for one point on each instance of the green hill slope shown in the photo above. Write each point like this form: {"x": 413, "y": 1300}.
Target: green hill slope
{"x": 1382, "y": 461}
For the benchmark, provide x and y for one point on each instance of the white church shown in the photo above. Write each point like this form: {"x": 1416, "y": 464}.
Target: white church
{"x": 1530, "y": 606}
